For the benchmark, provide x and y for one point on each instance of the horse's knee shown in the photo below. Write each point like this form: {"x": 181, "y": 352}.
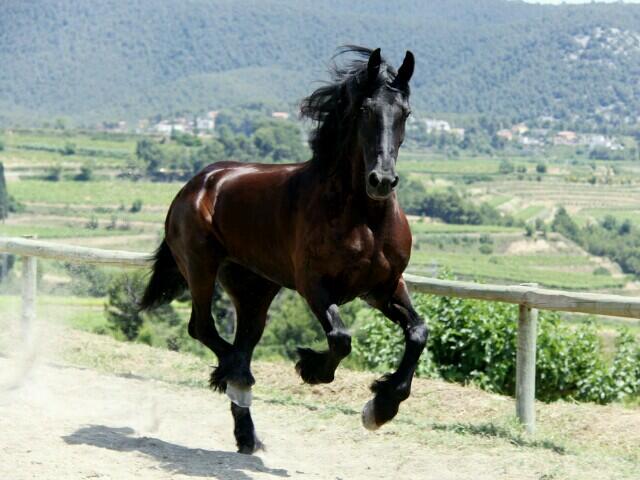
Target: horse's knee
{"x": 339, "y": 342}
{"x": 418, "y": 334}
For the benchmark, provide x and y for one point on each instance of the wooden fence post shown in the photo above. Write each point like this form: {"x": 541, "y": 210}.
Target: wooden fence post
{"x": 526, "y": 367}
{"x": 29, "y": 288}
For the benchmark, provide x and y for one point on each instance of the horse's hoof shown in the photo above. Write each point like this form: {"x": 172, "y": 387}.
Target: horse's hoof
{"x": 252, "y": 448}
{"x": 369, "y": 417}
{"x": 239, "y": 394}
{"x": 311, "y": 367}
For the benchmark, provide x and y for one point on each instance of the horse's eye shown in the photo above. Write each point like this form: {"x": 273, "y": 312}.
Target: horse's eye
{"x": 407, "y": 113}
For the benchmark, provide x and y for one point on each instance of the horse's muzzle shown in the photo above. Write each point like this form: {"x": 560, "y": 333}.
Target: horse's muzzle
{"x": 381, "y": 185}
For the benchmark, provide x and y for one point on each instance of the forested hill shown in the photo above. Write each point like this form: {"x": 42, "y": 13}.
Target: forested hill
{"x": 115, "y": 59}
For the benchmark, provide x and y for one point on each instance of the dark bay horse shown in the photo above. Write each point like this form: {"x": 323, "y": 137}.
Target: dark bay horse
{"x": 330, "y": 228}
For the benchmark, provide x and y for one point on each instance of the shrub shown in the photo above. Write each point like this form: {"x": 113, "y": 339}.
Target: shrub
{"x": 474, "y": 341}
{"x": 54, "y": 173}
{"x": 92, "y": 223}
{"x": 506, "y": 167}
{"x": 121, "y": 309}
{"x": 136, "y": 206}
{"x": 88, "y": 280}
{"x": 601, "y": 271}
{"x": 122, "y": 304}
{"x": 68, "y": 149}
{"x": 290, "y": 324}
{"x": 486, "y": 249}
{"x": 379, "y": 343}
{"x": 541, "y": 168}
{"x": 86, "y": 173}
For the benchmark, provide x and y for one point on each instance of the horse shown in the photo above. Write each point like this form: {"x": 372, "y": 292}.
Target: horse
{"x": 330, "y": 228}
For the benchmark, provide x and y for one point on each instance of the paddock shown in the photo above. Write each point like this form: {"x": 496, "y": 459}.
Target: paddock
{"x": 529, "y": 297}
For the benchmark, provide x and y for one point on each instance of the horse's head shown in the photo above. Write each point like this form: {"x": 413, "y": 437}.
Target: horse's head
{"x": 382, "y": 114}
{"x": 365, "y": 108}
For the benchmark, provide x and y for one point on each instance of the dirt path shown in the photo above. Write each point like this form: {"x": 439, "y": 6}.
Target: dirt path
{"x": 71, "y": 423}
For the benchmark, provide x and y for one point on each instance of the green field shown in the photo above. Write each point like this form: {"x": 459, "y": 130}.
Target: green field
{"x": 66, "y": 208}
{"x": 94, "y": 194}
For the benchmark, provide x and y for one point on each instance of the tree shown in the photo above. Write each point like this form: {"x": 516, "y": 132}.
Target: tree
{"x": 151, "y": 155}
{"x": 506, "y": 167}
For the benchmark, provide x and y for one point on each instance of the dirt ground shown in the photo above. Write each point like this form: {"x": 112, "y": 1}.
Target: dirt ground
{"x": 70, "y": 423}
{"x": 85, "y": 406}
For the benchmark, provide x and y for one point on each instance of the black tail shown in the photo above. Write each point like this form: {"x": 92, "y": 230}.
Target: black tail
{"x": 166, "y": 281}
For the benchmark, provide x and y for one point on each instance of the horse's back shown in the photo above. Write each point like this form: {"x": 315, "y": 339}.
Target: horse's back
{"x": 243, "y": 209}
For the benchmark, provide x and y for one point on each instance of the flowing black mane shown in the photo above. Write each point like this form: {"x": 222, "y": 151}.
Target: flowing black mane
{"x": 334, "y": 106}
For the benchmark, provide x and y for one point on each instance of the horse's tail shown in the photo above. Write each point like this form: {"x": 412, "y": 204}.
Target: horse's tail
{"x": 166, "y": 281}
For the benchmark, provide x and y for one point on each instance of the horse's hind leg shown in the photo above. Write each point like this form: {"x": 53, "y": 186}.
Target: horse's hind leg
{"x": 201, "y": 277}
{"x": 251, "y": 296}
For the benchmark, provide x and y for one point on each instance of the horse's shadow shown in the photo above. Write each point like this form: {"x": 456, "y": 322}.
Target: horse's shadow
{"x": 172, "y": 457}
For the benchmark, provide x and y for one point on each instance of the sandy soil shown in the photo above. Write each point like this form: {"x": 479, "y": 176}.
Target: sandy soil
{"x": 70, "y": 423}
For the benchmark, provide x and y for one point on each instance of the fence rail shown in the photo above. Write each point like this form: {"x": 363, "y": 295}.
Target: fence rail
{"x": 529, "y": 297}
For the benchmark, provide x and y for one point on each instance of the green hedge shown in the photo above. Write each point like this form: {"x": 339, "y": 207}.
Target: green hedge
{"x": 474, "y": 341}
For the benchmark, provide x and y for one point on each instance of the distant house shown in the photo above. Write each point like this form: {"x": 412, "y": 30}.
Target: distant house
{"x": 505, "y": 134}
{"x": 205, "y": 123}
{"x": 280, "y": 115}
{"x": 434, "y": 125}
{"x": 519, "y": 129}
{"x": 600, "y": 141}
{"x": 166, "y": 128}
{"x": 565, "y": 137}
{"x": 530, "y": 141}
{"x": 457, "y": 132}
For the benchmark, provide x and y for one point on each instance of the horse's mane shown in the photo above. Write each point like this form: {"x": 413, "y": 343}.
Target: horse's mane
{"x": 333, "y": 106}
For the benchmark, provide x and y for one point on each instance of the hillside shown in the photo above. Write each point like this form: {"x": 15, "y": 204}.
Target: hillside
{"x": 111, "y": 60}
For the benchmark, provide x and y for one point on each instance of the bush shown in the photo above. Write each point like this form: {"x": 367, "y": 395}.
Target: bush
{"x": 121, "y": 309}
{"x": 506, "y": 167}
{"x": 378, "y": 345}
{"x": 92, "y": 223}
{"x": 486, "y": 249}
{"x": 68, "y": 149}
{"x": 88, "y": 280}
{"x": 86, "y": 173}
{"x": 601, "y": 271}
{"x": 541, "y": 168}
{"x": 136, "y": 206}
{"x": 122, "y": 304}
{"x": 54, "y": 173}
{"x": 474, "y": 341}
{"x": 290, "y": 325}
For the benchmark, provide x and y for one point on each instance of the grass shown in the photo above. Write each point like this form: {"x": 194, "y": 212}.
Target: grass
{"x": 61, "y": 231}
{"x": 96, "y": 194}
{"x": 541, "y": 269}
{"x": 419, "y": 227}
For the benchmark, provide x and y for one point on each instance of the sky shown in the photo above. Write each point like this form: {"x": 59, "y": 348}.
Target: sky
{"x": 557, "y": 2}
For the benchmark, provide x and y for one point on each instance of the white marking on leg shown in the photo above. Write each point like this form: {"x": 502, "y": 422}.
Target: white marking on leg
{"x": 239, "y": 394}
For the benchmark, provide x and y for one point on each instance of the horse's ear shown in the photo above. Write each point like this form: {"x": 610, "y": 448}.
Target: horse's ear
{"x": 373, "y": 67}
{"x": 405, "y": 71}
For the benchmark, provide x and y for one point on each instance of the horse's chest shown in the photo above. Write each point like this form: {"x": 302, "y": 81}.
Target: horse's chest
{"x": 357, "y": 261}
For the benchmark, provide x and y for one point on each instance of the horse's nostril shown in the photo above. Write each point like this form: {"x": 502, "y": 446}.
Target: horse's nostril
{"x": 374, "y": 180}
{"x": 396, "y": 179}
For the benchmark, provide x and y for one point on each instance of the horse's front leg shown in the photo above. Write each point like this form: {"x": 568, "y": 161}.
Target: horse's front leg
{"x": 395, "y": 387}
{"x": 319, "y": 367}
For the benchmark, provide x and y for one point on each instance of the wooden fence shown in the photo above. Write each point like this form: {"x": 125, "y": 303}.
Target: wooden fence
{"x": 529, "y": 297}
